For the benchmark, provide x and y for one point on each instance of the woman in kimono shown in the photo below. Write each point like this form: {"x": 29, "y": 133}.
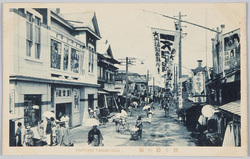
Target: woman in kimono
{"x": 95, "y": 136}
{"x": 19, "y": 134}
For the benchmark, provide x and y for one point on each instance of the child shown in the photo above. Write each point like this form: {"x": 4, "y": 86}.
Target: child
{"x": 28, "y": 137}
{"x": 54, "y": 134}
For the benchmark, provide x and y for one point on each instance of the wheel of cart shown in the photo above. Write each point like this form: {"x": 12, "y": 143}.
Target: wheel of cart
{"x": 134, "y": 133}
{"x": 123, "y": 127}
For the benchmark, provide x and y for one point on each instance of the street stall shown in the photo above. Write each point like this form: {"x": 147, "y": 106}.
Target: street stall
{"x": 231, "y": 123}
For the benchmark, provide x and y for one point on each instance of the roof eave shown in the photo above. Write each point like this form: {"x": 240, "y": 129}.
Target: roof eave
{"x": 89, "y": 30}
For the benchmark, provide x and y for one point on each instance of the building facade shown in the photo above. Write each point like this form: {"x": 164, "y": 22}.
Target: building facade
{"x": 107, "y": 94}
{"x": 53, "y": 65}
{"x": 224, "y": 86}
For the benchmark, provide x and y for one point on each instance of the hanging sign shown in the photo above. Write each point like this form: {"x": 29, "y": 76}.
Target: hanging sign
{"x": 165, "y": 44}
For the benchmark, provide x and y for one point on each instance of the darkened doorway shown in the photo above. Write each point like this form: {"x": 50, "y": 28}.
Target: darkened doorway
{"x": 91, "y": 101}
{"x": 64, "y": 108}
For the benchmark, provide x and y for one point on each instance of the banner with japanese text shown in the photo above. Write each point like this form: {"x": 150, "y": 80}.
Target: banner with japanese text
{"x": 232, "y": 50}
{"x": 165, "y": 45}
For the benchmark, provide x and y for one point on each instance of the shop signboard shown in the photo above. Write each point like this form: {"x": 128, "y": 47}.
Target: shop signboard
{"x": 232, "y": 50}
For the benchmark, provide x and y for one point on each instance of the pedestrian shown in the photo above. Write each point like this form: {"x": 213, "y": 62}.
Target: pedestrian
{"x": 40, "y": 129}
{"x": 96, "y": 112}
{"x": 33, "y": 117}
{"x": 130, "y": 110}
{"x": 48, "y": 131}
{"x": 150, "y": 114}
{"x": 124, "y": 113}
{"x": 66, "y": 133}
{"x": 135, "y": 104}
{"x": 28, "y": 137}
{"x": 54, "y": 131}
{"x": 152, "y": 105}
{"x": 91, "y": 113}
{"x": 166, "y": 108}
{"x": 139, "y": 125}
{"x": 95, "y": 137}
{"x": 19, "y": 134}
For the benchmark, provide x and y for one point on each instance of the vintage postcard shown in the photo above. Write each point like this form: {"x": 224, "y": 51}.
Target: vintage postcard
{"x": 161, "y": 79}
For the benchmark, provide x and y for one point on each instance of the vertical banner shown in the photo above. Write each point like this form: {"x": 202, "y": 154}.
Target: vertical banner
{"x": 165, "y": 44}
{"x": 232, "y": 50}
{"x": 231, "y": 58}
{"x": 180, "y": 94}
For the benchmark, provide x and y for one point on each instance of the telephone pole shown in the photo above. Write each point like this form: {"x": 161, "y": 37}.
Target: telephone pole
{"x": 128, "y": 61}
{"x": 179, "y": 27}
{"x": 147, "y": 85}
{"x": 126, "y": 83}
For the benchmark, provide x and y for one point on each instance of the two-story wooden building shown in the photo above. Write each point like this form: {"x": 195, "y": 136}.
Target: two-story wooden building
{"x": 107, "y": 95}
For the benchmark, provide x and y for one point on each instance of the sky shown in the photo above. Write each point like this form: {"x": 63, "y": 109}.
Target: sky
{"x": 127, "y": 27}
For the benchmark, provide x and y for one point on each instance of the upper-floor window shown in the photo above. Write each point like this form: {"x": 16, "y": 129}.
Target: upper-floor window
{"x": 37, "y": 37}
{"x": 74, "y": 60}
{"x": 65, "y": 57}
{"x": 91, "y": 59}
{"x": 29, "y": 35}
{"x": 99, "y": 72}
{"x": 56, "y": 48}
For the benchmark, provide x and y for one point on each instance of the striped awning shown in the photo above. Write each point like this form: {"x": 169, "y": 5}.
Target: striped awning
{"x": 232, "y": 107}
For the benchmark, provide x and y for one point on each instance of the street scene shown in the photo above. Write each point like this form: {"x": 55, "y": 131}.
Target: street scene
{"x": 163, "y": 131}
{"x": 139, "y": 75}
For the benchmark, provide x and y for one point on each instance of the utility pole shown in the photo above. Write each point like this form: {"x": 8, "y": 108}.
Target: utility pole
{"x": 180, "y": 61}
{"x": 128, "y": 61}
{"x": 153, "y": 88}
{"x": 147, "y": 84}
{"x": 126, "y": 83}
{"x": 180, "y": 45}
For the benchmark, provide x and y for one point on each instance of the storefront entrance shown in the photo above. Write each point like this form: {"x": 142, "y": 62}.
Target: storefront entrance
{"x": 64, "y": 108}
{"x": 32, "y": 109}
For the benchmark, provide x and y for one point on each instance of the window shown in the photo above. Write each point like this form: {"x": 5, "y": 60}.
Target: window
{"x": 65, "y": 57}
{"x": 55, "y": 54}
{"x": 99, "y": 72}
{"x": 91, "y": 59}
{"x": 74, "y": 60}
{"x": 29, "y": 32}
{"x": 37, "y": 37}
{"x": 92, "y": 64}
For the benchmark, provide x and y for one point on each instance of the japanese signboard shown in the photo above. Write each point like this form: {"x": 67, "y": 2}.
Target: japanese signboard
{"x": 232, "y": 50}
{"x": 231, "y": 57}
{"x": 165, "y": 44}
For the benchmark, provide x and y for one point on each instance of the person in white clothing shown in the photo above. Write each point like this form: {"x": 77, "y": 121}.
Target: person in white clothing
{"x": 66, "y": 134}
{"x": 150, "y": 114}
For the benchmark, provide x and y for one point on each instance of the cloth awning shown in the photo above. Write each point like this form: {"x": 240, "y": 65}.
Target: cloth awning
{"x": 232, "y": 107}
{"x": 102, "y": 92}
{"x": 111, "y": 90}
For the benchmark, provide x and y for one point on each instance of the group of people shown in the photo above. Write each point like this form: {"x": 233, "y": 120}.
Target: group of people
{"x": 51, "y": 132}
{"x": 24, "y": 138}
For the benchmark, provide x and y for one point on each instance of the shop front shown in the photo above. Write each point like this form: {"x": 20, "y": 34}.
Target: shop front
{"x": 65, "y": 101}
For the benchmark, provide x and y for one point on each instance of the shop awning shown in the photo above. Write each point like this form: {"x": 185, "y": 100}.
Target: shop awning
{"x": 53, "y": 80}
{"x": 233, "y": 107}
{"x": 102, "y": 92}
{"x": 111, "y": 90}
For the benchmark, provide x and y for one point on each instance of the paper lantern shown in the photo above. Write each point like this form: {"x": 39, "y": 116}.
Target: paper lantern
{"x": 207, "y": 111}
